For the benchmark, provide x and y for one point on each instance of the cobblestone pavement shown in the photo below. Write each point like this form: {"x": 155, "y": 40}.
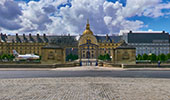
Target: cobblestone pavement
{"x": 85, "y": 88}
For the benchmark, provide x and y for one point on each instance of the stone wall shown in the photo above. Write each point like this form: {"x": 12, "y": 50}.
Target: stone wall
{"x": 124, "y": 56}
{"x": 53, "y": 55}
{"x": 36, "y": 65}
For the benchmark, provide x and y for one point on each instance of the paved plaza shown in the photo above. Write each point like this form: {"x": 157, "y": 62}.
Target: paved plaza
{"x": 85, "y": 88}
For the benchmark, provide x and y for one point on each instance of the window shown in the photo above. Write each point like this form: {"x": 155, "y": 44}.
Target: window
{"x": 83, "y": 55}
{"x": 109, "y": 52}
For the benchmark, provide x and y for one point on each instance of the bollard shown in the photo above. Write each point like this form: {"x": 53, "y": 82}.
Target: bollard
{"x": 122, "y": 65}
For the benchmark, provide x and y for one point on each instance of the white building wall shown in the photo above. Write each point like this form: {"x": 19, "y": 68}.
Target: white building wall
{"x": 154, "y": 48}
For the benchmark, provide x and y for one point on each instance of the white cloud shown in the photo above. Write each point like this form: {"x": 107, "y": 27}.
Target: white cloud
{"x": 9, "y": 15}
{"x": 2, "y": 1}
{"x": 105, "y": 17}
{"x": 107, "y": 20}
{"x": 137, "y": 7}
{"x": 149, "y": 8}
{"x": 157, "y": 10}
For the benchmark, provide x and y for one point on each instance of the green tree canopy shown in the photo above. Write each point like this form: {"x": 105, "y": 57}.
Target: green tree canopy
{"x": 168, "y": 56}
{"x": 139, "y": 57}
{"x": 4, "y": 56}
{"x": 101, "y": 57}
{"x": 107, "y": 57}
{"x": 104, "y": 57}
{"x": 152, "y": 57}
{"x": 145, "y": 57}
{"x": 71, "y": 57}
{"x": 162, "y": 57}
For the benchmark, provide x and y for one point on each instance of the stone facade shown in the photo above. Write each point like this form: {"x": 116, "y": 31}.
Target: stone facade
{"x": 53, "y": 55}
{"x": 54, "y": 49}
{"x": 25, "y": 44}
{"x": 22, "y": 48}
{"x": 124, "y": 56}
{"x": 91, "y": 46}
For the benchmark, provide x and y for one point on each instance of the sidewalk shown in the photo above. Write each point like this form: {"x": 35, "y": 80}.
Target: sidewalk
{"x": 84, "y": 68}
{"x": 24, "y": 69}
{"x": 148, "y": 69}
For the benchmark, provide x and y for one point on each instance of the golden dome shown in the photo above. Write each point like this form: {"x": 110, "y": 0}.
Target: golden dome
{"x": 87, "y": 31}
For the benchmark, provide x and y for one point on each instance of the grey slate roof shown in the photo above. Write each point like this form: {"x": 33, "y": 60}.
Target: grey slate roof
{"x": 23, "y": 38}
{"x": 37, "y": 39}
{"x": 54, "y": 40}
{"x": 124, "y": 45}
{"x": 115, "y": 39}
{"x": 147, "y": 37}
{"x": 63, "y": 40}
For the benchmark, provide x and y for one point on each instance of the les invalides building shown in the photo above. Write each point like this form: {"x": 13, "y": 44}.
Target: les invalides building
{"x": 55, "y": 49}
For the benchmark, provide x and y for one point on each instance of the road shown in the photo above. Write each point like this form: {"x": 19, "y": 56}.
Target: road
{"x": 84, "y": 72}
{"x": 84, "y": 83}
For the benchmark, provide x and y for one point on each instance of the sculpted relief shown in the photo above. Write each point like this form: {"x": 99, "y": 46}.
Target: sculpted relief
{"x": 125, "y": 56}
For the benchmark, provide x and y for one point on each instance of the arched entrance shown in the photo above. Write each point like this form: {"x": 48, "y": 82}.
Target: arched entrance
{"x": 88, "y": 54}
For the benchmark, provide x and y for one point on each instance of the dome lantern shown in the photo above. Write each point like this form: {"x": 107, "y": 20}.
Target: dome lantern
{"x": 87, "y": 31}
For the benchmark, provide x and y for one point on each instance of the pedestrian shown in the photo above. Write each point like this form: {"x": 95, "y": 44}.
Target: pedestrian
{"x": 80, "y": 63}
{"x": 159, "y": 63}
{"x": 96, "y": 63}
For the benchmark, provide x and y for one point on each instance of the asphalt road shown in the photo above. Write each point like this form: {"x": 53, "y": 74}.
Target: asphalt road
{"x": 8, "y": 74}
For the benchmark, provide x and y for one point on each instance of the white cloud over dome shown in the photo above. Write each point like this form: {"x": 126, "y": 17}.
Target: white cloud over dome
{"x": 48, "y": 16}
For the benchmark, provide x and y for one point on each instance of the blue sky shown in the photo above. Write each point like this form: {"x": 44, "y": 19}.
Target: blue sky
{"x": 59, "y": 16}
{"x": 155, "y": 24}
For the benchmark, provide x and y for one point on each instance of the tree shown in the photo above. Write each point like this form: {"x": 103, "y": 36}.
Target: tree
{"x": 71, "y": 57}
{"x": 10, "y": 57}
{"x": 152, "y": 57}
{"x": 158, "y": 58}
{"x": 168, "y": 56}
{"x": 163, "y": 57}
{"x": 75, "y": 57}
{"x": 104, "y": 57}
{"x": 101, "y": 57}
{"x": 145, "y": 57}
{"x": 4, "y": 56}
{"x": 107, "y": 57}
{"x": 139, "y": 57}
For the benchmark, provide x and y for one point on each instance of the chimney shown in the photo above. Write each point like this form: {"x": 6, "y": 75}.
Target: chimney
{"x": 25, "y": 39}
{"x": 44, "y": 35}
{"x": 38, "y": 35}
{"x": 163, "y": 31}
{"x": 107, "y": 36}
{"x": 29, "y": 35}
{"x": 5, "y": 36}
